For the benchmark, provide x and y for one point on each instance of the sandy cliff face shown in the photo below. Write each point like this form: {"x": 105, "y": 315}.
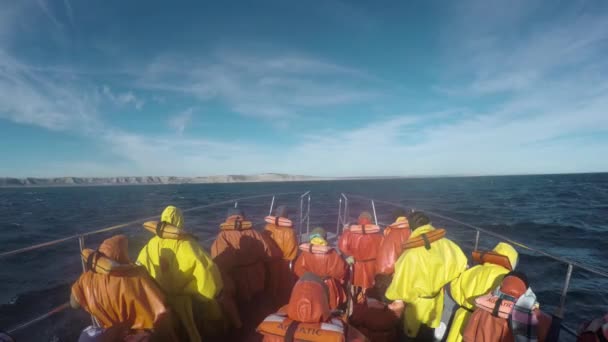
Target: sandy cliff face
{"x": 76, "y": 181}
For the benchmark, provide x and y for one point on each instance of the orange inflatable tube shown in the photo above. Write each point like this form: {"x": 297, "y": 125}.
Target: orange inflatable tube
{"x": 280, "y": 325}
{"x": 424, "y": 239}
{"x": 236, "y": 225}
{"x": 165, "y": 230}
{"x": 279, "y": 221}
{"x": 364, "y": 228}
{"x": 482, "y": 257}
{"x": 489, "y": 302}
{"x": 99, "y": 263}
{"x": 315, "y": 249}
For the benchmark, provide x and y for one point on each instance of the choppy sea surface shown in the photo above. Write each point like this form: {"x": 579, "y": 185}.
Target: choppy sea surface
{"x": 564, "y": 215}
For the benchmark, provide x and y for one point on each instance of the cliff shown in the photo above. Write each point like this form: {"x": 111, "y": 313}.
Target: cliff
{"x": 88, "y": 181}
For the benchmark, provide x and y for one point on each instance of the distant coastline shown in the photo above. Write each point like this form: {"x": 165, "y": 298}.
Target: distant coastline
{"x": 15, "y": 182}
{"x": 11, "y": 182}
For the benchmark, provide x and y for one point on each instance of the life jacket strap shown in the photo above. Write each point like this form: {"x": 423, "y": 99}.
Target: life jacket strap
{"x": 160, "y": 227}
{"x": 291, "y": 331}
{"x": 600, "y": 335}
{"x": 427, "y": 243}
{"x": 497, "y": 305}
{"x": 276, "y": 221}
{"x": 90, "y": 261}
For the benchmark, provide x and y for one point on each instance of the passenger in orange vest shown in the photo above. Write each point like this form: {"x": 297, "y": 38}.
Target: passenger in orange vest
{"x": 507, "y": 314}
{"x": 360, "y": 244}
{"x": 376, "y": 318}
{"x": 395, "y": 235}
{"x": 241, "y": 253}
{"x": 323, "y": 260}
{"x": 121, "y": 296}
{"x": 594, "y": 331}
{"x": 282, "y": 238}
{"x": 307, "y": 317}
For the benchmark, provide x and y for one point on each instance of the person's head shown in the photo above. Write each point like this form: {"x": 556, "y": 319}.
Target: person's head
{"x": 418, "y": 219}
{"x": 381, "y": 284}
{"x": 116, "y": 248}
{"x": 281, "y": 211}
{"x": 235, "y": 213}
{"x": 399, "y": 215}
{"x": 507, "y": 250}
{"x": 318, "y": 236}
{"x": 514, "y": 284}
{"x": 309, "y": 301}
{"x": 365, "y": 218}
{"x": 172, "y": 215}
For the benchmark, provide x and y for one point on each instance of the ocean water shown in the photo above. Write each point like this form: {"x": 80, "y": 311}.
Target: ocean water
{"x": 565, "y": 215}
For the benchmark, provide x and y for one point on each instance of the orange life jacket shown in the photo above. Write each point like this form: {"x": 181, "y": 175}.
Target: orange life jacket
{"x": 481, "y": 257}
{"x": 165, "y": 230}
{"x": 488, "y": 303}
{"x": 315, "y": 249}
{"x": 424, "y": 240}
{"x": 279, "y": 324}
{"x": 279, "y": 221}
{"x": 236, "y": 222}
{"x": 99, "y": 263}
{"x": 364, "y": 228}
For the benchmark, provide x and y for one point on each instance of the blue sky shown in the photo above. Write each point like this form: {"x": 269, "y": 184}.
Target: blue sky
{"x": 328, "y": 88}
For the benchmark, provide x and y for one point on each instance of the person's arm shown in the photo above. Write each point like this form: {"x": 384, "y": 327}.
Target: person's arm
{"x": 207, "y": 281}
{"x": 291, "y": 248}
{"x": 74, "y": 302}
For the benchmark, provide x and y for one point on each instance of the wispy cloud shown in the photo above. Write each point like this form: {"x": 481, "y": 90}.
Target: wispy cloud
{"x": 122, "y": 99}
{"x": 268, "y": 87}
{"x": 181, "y": 120}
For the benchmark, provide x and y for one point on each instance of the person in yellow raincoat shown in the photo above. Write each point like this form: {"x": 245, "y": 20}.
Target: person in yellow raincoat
{"x": 185, "y": 272}
{"x": 428, "y": 262}
{"x": 478, "y": 281}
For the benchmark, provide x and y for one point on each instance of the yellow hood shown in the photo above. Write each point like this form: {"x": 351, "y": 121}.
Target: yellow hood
{"x": 422, "y": 230}
{"x": 507, "y": 250}
{"x": 173, "y": 215}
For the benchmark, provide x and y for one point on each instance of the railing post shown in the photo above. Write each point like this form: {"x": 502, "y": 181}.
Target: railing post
{"x": 81, "y": 245}
{"x": 374, "y": 209}
{"x": 84, "y": 269}
{"x": 562, "y": 301}
{"x": 476, "y": 240}
{"x": 339, "y": 214}
{"x": 308, "y": 217}
{"x": 271, "y": 206}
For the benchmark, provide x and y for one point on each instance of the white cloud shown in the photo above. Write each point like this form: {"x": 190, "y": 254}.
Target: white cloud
{"x": 123, "y": 99}
{"x": 28, "y": 97}
{"x": 268, "y": 87}
{"x": 181, "y": 120}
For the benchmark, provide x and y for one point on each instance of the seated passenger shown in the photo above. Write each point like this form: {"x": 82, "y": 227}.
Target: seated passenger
{"x": 507, "y": 314}
{"x": 121, "y": 296}
{"x": 395, "y": 235}
{"x": 360, "y": 244}
{"x": 282, "y": 239}
{"x": 321, "y": 259}
{"x": 241, "y": 254}
{"x": 307, "y": 317}
{"x": 185, "y": 272}
{"x": 429, "y": 261}
{"x": 594, "y": 331}
{"x": 376, "y": 318}
{"x": 477, "y": 281}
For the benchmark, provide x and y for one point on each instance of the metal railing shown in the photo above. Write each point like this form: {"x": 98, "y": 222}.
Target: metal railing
{"x": 570, "y": 263}
{"x": 81, "y": 243}
{"x": 304, "y": 216}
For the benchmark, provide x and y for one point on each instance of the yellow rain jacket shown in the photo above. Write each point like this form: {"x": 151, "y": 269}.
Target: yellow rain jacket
{"x": 474, "y": 282}
{"x": 185, "y": 272}
{"x": 420, "y": 276}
